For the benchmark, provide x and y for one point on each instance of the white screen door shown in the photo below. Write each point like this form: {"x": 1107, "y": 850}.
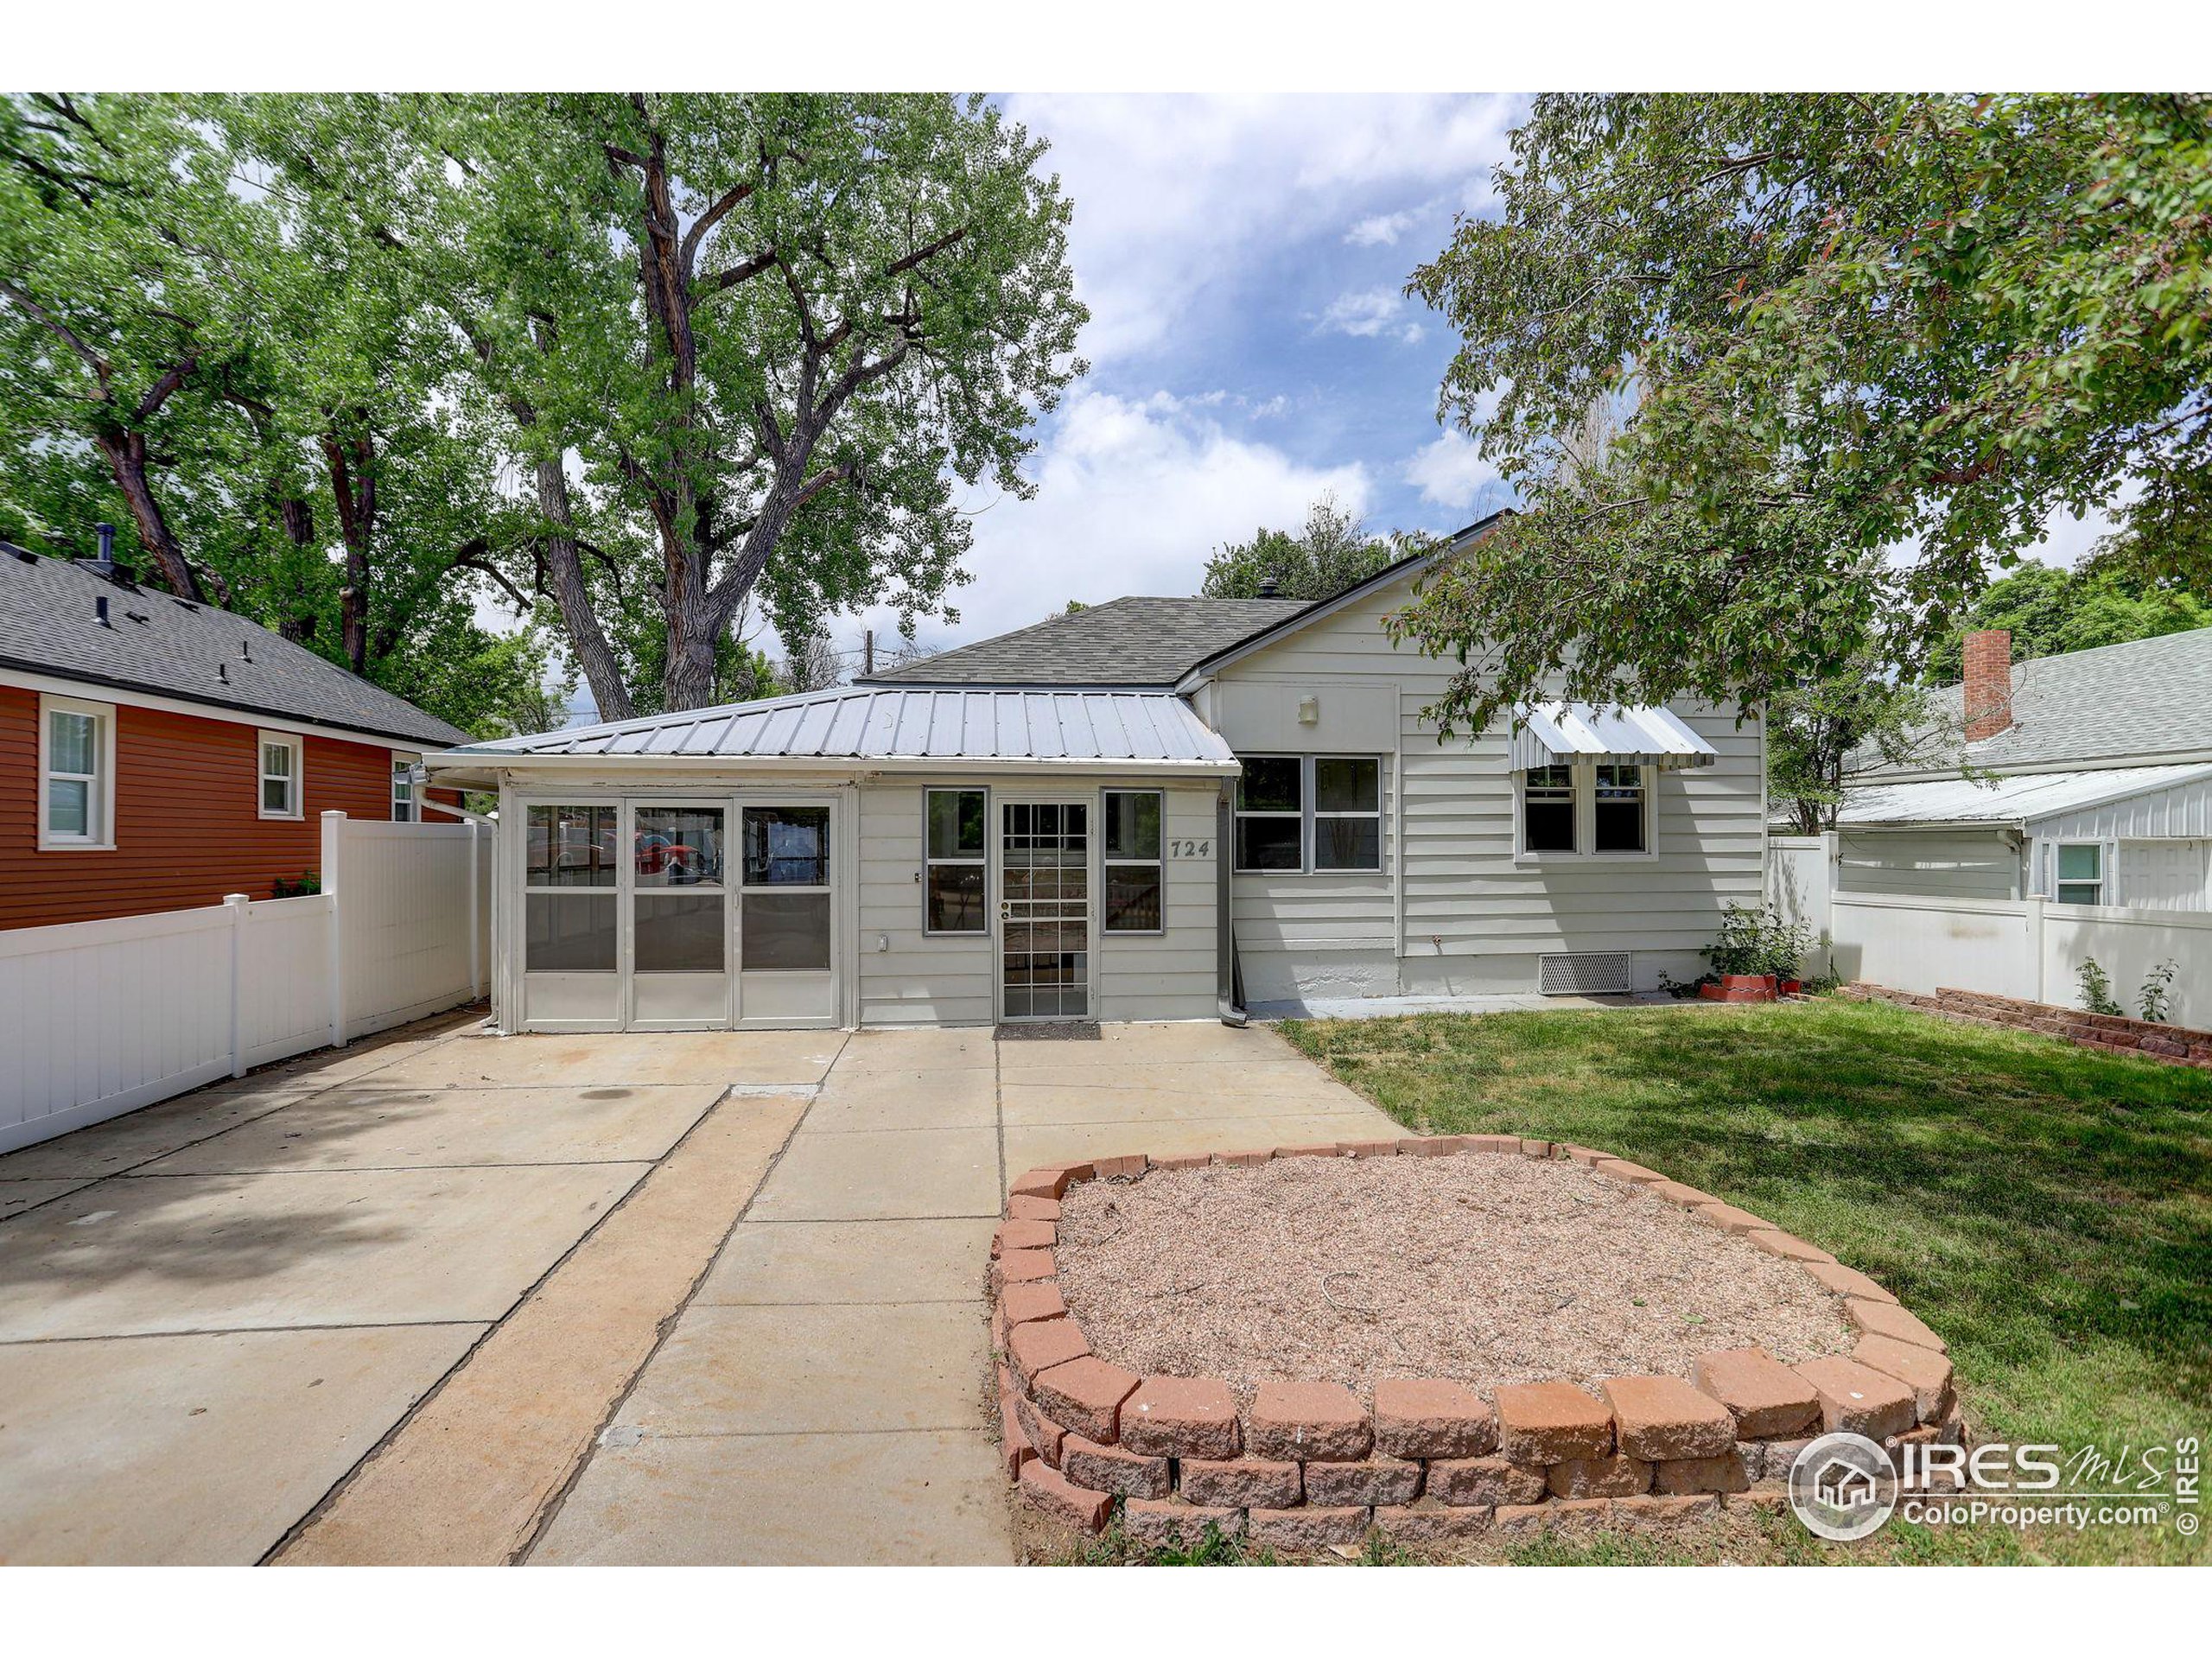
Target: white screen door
{"x": 1045, "y": 910}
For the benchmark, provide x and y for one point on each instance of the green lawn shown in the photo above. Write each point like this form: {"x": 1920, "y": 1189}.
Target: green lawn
{"x": 2049, "y": 1210}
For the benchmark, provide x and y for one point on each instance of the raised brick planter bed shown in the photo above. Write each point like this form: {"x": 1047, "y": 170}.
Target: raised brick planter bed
{"x": 2113, "y": 1033}
{"x": 1429, "y": 1462}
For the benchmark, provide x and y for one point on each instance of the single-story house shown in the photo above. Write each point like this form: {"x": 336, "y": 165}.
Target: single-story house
{"x": 2086, "y": 779}
{"x": 157, "y": 754}
{"x": 1155, "y": 807}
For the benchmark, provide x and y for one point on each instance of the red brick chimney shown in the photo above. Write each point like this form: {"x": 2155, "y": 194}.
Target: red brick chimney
{"x": 1989, "y": 682}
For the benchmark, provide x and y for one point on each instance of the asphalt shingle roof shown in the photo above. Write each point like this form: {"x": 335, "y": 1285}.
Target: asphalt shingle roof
{"x": 2145, "y": 698}
{"x": 1123, "y": 642}
{"x": 154, "y": 642}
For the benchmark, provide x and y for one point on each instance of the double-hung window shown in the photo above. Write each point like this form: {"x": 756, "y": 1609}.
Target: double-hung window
{"x": 280, "y": 778}
{"x": 2080, "y": 873}
{"x": 955, "y": 862}
{"x": 1620, "y": 810}
{"x": 77, "y": 775}
{"x": 402, "y": 792}
{"x": 1315, "y": 813}
{"x": 1271, "y": 813}
{"x": 1347, "y": 812}
{"x": 1135, "y": 875}
{"x": 1547, "y": 810}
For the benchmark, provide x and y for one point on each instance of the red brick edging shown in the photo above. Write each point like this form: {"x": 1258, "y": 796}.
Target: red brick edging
{"x": 2114, "y": 1033}
{"x": 1430, "y": 1461}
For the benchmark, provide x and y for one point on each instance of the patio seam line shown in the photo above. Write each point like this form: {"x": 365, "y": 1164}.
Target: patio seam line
{"x": 550, "y": 1511}
{"x": 301, "y": 1522}
{"x": 245, "y": 1330}
{"x": 653, "y": 1162}
{"x": 303, "y": 1096}
{"x": 837, "y": 1221}
{"x": 983, "y": 1434}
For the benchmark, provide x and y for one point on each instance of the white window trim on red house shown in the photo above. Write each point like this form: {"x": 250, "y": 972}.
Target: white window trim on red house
{"x": 101, "y": 807}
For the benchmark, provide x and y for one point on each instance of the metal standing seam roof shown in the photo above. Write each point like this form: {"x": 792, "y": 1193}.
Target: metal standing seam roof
{"x": 1547, "y": 734}
{"x": 878, "y": 723}
{"x": 2022, "y": 799}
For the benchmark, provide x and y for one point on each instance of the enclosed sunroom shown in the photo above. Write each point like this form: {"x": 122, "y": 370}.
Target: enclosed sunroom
{"x": 865, "y": 856}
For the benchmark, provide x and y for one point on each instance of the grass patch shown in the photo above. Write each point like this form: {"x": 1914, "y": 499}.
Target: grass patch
{"x": 2047, "y": 1209}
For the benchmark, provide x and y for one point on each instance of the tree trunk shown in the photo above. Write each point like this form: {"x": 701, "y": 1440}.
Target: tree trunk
{"x": 688, "y": 679}
{"x": 564, "y": 570}
{"x": 353, "y": 488}
{"x": 297, "y": 516}
{"x": 125, "y": 454}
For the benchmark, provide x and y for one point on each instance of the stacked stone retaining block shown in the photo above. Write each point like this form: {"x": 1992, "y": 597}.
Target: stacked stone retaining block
{"x": 2113, "y": 1032}
{"x": 1429, "y": 1462}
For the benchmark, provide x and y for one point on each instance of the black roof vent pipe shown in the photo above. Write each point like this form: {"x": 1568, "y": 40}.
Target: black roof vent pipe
{"x": 1268, "y": 587}
{"x": 105, "y": 565}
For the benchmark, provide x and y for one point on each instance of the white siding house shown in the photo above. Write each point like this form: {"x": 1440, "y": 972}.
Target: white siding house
{"x": 1151, "y": 809}
{"x": 2085, "y": 778}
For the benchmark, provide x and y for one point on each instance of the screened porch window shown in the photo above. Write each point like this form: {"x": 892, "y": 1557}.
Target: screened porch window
{"x": 568, "y": 880}
{"x": 784, "y": 921}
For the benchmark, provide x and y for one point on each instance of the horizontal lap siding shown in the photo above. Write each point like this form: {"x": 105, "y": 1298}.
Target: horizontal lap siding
{"x": 923, "y": 979}
{"x": 186, "y": 828}
{"x": 1450, "y": 818}
{"x": 1171, "y": 975}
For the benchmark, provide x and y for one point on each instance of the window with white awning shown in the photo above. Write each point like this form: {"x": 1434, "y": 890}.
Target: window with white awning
{"x": 1562, "y": 734}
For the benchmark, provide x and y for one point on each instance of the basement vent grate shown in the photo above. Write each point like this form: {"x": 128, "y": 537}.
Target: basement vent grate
{"x": 1583, "y": 973}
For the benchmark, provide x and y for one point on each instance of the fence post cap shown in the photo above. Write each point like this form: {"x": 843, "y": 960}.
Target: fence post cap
{"x": 236, "y": 899}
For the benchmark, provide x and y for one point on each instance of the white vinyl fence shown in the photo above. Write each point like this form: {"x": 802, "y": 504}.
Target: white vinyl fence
{"x": 100, "y": 1018}
{"x": 2031, "y": 947}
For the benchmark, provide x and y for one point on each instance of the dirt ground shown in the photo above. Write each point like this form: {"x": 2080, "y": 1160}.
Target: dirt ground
{"x": 1483, "y": 1270}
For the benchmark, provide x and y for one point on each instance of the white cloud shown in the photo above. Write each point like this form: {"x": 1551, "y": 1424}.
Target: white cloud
{"x": 1381, "y": 230}
{"x": 1450, "y": 471}
{"x": 1365, "y": 313}
{"x": 1132, "y": 495}
{"x": 1178, "y": 200}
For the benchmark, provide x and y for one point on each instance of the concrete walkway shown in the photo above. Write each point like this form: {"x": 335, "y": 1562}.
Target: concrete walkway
{"x": 823, "y": 1398}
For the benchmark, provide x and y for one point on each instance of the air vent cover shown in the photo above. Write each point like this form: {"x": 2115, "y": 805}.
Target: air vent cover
{"x": 1583, "y": 973}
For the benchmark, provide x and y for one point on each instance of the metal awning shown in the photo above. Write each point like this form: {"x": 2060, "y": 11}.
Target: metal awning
{"x": 1557, "y": 733}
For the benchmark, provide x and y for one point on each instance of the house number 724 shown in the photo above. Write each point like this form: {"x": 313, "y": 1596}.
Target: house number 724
{"x": 1190, "y": 849}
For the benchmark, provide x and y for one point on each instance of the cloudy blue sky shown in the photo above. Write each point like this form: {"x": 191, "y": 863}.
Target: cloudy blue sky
{"x": 1243, "y": 258}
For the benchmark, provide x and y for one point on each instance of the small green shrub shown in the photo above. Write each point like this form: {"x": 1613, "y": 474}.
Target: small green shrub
{"x": 2096, "y": 988}
{"x": 2156, "y": 997}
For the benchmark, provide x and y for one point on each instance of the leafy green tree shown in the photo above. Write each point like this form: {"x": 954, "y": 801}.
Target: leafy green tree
{"x": 1825, "y": 735}
{"x": 2106, "y": 601}
{"x": 1837, "y": 324}
{"x": 1330, "y": 553}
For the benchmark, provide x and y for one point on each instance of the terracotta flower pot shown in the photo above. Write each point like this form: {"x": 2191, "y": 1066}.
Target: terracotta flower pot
{"x": 1745, "y": 988}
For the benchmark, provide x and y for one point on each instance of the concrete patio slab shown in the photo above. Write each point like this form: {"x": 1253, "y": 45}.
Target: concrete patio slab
{"x": 952, "y": 1048}
{"x": 141, "y": 1254}
{"x": 807, "y": 1370}
{"x": 877, "y": 1174}
{"x": 466, "y": 1481}
{"x": 636, "y": 1059}
{"x": 195, "y": 1449}
{"x": 1024, "y": 1106}
{"x": 903, "y": 1499}
{"x": 15, "y": 1197}
{"x": 888, "y": 1099}
{"x": 1292, "y": 1079}
{"x": 138, "y": 1137}
{"x": 358, "y": 1126}
{"x": 1175, "y": 1042}
{"x": 851, "y": 1261}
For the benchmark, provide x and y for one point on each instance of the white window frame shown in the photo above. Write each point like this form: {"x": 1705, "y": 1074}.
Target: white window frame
{"x": 1109, "y": 860}
{"x": 1586, "y": 818}
{"x": 1314, "y": 813}
{"x": 262, "y": 742}
{"x": 100, "y": 798}
{"x": 403, "y": 770}
{"x": 2059, "y": 883}
{"x": 1646, "y": 787}
{"x": 983, "y": 858}
{"x": 581, "y": 799}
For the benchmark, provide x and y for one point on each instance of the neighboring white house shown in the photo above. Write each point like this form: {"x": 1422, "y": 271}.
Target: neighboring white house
{"x": 1150, "y": 809}
{"x": 2087, "y": 781}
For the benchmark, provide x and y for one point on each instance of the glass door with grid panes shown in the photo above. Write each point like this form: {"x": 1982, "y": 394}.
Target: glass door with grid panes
{"x": 1044, "y": 887}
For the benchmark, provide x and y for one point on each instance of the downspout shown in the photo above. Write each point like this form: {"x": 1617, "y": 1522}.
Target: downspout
{"x": 1229, "y": 978}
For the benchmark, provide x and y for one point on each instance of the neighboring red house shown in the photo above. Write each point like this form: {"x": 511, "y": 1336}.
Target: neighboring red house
{"x": 156, "y": 754}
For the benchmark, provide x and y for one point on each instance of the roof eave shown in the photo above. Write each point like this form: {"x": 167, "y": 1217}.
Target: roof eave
{"x": 465, "y": 761}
